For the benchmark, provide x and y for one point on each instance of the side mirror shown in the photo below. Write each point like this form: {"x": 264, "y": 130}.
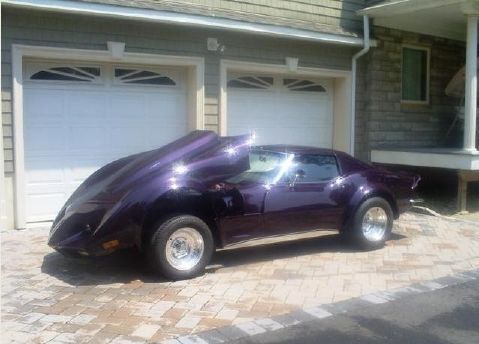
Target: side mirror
{"x": 299, "y": 175}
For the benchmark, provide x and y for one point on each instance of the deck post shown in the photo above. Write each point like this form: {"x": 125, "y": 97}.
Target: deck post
{"x": 470, "y": 105}
{"x": 461, "y": 193}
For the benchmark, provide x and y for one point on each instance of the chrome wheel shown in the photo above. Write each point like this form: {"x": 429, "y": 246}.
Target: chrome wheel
{"x": 184, "y": 248}
{"x": 375, "y": 223}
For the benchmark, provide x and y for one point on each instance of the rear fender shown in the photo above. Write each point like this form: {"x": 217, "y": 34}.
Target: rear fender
{"x": 364, "y": 193}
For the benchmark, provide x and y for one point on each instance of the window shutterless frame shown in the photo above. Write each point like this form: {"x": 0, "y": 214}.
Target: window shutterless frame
{"x": 428, "y": 73}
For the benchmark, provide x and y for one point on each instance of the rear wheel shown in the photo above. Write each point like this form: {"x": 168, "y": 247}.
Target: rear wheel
{"x": 181, "y": 247}
{"x": 372, "y": 223}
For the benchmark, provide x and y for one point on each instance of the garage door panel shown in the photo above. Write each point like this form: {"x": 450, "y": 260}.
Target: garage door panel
{"x": 40, "y": 173}
{"x": 83, "y": 138}
{"x": 127, "y": 140}
{"x": 39, "y": 139}
{"x": 127, "y": 107}
{"x": 41, "y": 111}
{"x": 82, "y": 105}
{"x": 168, "y": 106}
{"x": 84, "y": 167}
{"x": 70, "y": 131}
{"x": 39, "y": 207}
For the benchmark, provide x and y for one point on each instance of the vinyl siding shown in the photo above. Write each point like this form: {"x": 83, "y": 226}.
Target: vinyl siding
{"x": 82, "y": 32}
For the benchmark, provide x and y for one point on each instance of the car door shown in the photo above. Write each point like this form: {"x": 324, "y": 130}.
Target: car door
{"x": 240, "y": 204}
{"x": 309, "y": 197}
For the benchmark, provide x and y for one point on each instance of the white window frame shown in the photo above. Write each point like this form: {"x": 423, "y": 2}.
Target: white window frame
{"x": 428, "y": 73}
{"x": 194, "y": 67}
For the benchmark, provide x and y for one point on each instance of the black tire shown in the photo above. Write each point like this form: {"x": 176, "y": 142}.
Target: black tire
{"x": 356, "y": 234}
{"x": 157, "y": 248}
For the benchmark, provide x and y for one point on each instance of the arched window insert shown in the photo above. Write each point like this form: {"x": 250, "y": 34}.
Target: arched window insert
{"x": 68, "y": 73}
{"x": 142, "y": 77}
{"x": 254, "y": 82}
{"x": 303, "y": 85}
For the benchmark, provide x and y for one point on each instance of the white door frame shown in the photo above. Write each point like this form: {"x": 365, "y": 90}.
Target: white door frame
{"x": 195, "y": 75}
{"x": 341, "y": 101}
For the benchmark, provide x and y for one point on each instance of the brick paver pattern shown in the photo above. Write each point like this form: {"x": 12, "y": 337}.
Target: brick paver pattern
{"x": 49, "y": 298}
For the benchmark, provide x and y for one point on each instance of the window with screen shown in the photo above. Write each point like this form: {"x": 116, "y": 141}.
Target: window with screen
{"x": 415, "y": 75}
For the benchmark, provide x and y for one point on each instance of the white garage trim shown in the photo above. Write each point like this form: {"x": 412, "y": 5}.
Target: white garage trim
{"x": 341, "y": 102}
{"x": 195, "y": 76}
{"x": 3, "y": 198}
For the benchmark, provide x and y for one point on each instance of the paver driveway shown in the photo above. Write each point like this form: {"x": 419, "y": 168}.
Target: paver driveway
{"x": 48, "y": 298}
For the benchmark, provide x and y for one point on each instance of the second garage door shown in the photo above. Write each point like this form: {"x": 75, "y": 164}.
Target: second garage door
{"x": 78, "y": 117}
{"x": 281, "y": 109}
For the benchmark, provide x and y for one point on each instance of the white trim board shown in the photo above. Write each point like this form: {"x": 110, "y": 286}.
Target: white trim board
{"x": 451, "y": 160}
{"x": 341, "y": 102}
{"x": 167, "y": 17}
{"x": 195, "y": 71}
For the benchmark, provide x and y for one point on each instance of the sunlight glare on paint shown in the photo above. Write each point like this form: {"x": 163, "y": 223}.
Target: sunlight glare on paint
{"x": 231, "y": 151}
{"x": 180, "y": 169}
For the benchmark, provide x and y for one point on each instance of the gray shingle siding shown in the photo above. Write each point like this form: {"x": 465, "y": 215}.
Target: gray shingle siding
{"x": 82, "y": 32}
{"x": 387, "y": 122}
{"x": 316, "y": 15}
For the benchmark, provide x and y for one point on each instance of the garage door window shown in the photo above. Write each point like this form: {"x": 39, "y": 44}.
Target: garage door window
{"x": 252, "y": 82}
{"x": 68, "y": 73}
{"x": 303, "y": 85}
{"x": 142, "y": 77}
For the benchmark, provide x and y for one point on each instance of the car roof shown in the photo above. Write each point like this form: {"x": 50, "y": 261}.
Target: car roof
{"x": 296, "y": 149}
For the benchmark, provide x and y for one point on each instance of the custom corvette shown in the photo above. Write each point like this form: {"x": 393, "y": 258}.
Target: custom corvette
{"x": 180, "y": 202}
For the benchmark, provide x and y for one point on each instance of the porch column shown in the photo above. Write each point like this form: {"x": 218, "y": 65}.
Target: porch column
{"x": 470, "y": 106}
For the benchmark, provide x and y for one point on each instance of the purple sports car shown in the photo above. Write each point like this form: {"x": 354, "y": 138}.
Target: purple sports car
{"x": 181, "y": 201}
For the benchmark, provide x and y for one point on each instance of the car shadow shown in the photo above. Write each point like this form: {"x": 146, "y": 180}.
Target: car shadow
{"x": 128, "y": 266}
{"x": 331, "y": 243}
{"x": 119, "y": 267}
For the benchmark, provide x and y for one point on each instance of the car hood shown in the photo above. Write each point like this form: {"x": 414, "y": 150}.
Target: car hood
{"x": 201, "y": 156}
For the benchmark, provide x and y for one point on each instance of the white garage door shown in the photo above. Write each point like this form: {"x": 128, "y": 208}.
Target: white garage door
{"x": 281, "y": 109}
{"x": 78, "y": 117}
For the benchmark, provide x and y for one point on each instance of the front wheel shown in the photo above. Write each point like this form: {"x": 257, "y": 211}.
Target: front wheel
{"x": 181, "y": 247}
{"x": 372, "y": 223}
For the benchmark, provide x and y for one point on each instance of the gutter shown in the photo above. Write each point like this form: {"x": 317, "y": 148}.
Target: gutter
{"x": 364, "y": 50}
{"x": 159, "y": 16}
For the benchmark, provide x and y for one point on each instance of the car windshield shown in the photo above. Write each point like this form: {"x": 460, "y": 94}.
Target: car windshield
{"x": 265, "y": 167}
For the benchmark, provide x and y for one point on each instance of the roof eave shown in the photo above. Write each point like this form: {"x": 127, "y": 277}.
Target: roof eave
{"x": 151, "y": 15}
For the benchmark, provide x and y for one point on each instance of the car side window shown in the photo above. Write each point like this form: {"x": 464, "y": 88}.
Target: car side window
{"x": 314, "y": 168}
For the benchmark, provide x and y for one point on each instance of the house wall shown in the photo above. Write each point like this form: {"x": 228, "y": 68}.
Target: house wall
{"x": 384, "y": 120}
{"x": 83, "y": 32}
{"x": 323, "y": 15}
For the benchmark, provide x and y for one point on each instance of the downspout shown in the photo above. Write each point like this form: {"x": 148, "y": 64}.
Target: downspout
{"x": 364, "y": 50}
